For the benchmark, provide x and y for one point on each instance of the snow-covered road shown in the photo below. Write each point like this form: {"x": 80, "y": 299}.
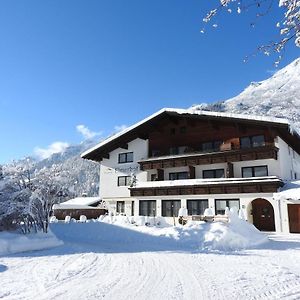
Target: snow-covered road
{"x": 66, "y": 272}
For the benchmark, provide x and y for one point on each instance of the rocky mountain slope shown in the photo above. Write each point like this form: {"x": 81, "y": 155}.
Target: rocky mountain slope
{"x": 278, "y": 96}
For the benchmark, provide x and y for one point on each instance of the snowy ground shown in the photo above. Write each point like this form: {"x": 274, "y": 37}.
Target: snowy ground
{"x": 114, "y": 262}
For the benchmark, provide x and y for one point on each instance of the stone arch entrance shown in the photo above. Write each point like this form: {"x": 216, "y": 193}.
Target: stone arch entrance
{"x": 263, "y": 215}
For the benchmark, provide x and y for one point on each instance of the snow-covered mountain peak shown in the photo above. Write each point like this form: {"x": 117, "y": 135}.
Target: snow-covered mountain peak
{"x": 277, "y": 96}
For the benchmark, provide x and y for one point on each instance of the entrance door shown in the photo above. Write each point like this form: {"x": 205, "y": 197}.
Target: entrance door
{"x": 294, "y": 217}
{"x": 263, "y": 215}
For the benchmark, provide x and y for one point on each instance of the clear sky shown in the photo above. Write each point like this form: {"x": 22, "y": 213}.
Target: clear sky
{"x": 107, "y": 63}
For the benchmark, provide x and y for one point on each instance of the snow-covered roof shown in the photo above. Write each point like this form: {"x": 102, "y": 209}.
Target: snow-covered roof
{"x": 81, "y": 201}
{"x": 190, "y": 111}
{"x": 290, "y": 191}
{"x": 192, "y": 182}
{"x": 73, "y": 206}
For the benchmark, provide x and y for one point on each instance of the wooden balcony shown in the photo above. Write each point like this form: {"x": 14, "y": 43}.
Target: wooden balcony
{"x": 206, "y": 187}
{"x": 268, "y": 151}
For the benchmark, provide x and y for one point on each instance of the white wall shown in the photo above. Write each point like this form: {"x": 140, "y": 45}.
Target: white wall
{"x": 289, "y": 160}
{"x": 110, "y": 170}
{"x": 272, "y": 164}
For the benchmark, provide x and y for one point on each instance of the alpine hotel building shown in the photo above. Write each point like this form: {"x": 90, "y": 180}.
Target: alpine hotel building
{"x": 199, "y": 159}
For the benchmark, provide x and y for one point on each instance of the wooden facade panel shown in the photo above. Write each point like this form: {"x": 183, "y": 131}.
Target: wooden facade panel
{"x": 173, "y": 191}
{"x": 270, "y": 188}
{"x": 201, "y": 190}
{"x": 161, "y": 192}
{"x": 197, "y": 131}
{"x": 157, "y": 165}
{"x": 136, "y": 193}
{"x": 251, "y": 189}
{"x": 204, "y": 160}
{"x": 248, "y": 156}
{"x": 216, "y": 190}
{"x": 149, "y": 192}
{"x": 192, "y": 161}
{"x": 180, "y": 163}
{"x": 146, "y": 166}
{"x": 217, "y": 159}
{"x": 232, "y": 189}
{"x": 186, "y": 191}
{"x": 168, "y": 164}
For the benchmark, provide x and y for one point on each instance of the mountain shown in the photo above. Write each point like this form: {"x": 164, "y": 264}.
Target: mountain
{"x": 77, "y": 175}
{"x": 277, "y": 96}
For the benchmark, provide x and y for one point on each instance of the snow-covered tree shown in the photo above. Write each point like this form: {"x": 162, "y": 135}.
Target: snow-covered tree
{"x": 288, "y": 26}
{"x": 30, "y": 188}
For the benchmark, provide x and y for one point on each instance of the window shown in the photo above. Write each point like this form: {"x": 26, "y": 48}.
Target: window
{"x": 252, "y": 141}
{"x": 132, "y": 208}
{"x": 258, "y": 171}
{"x": 217, "y": 173}
{"x": 153, "y": 177}
{"x": 178, "y": 150}
{"x": 147, "y": 208}
{"x": 170, "y": 208}
{"x": 120, "y": 207}
{"x": 178, "y": 175}
{"x": 211, "y": 146}
{"x": 221, "y": 204}
{"x": 124, "y": 180}
{"x": 196, "y": 207}
{"x": 155, "y": 153}
{"x": 125, "y": 157}
{"x": 174, "y": 150}
{"x": 183, "y": 129}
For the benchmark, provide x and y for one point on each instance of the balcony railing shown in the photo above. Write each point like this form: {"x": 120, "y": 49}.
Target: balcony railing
{"x": 269, "y": 184}
{"x": 226, "y": 153}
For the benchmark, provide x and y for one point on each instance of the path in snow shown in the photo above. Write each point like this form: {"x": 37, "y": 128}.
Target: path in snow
{"x": 67, "y": 273}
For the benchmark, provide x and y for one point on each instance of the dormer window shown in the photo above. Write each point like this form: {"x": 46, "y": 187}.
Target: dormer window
{"x": 125, "y": 157}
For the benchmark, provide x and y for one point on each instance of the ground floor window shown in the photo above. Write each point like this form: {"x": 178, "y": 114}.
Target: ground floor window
{"x": 147, "y": 208}
{"x": 170, "y": 208}
{"x": 132, "y": 208}
{"x": 221, "y": 204}
{"x": 196, "y": 207}
{"x": 120, "y": 207}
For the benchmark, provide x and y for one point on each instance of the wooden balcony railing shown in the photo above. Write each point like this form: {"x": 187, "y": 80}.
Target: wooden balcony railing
{"x": 232, "y": 186}
{"x": 269, "y": 151}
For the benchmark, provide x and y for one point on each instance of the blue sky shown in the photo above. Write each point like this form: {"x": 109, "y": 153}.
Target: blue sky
{"x": 108, "y": 63}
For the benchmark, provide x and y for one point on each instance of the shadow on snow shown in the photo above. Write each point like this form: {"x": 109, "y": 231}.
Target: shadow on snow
{"x": 107, "y": 238}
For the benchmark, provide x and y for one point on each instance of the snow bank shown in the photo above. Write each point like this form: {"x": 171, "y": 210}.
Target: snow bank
{"x": 237, "y": 234}
{"x": 290, "y": 191}
{"x": 128, "y": 234}
{"x": 14, "y": 243}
